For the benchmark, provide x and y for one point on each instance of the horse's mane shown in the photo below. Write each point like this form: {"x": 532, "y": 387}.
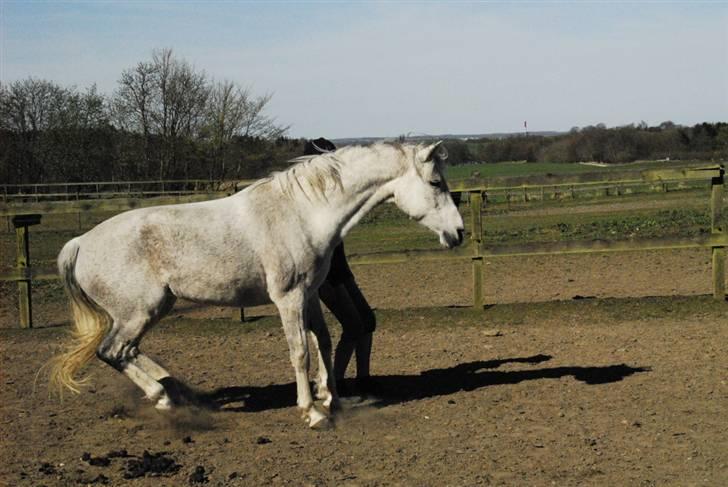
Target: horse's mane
{"x": 311, "y": 176}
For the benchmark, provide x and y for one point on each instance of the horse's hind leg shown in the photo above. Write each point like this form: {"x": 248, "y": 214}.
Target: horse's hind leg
{"x": 155, "y": 371}
{"x": 120, "y": 350}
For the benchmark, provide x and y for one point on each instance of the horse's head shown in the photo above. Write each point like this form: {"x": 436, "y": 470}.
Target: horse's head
{"x": 422, "y": 193}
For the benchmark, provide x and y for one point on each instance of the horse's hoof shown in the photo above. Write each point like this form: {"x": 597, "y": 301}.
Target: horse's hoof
{"x": 324, "y": 424}
{"x": 318, "y": 420}
{"x": 164, "y": 403}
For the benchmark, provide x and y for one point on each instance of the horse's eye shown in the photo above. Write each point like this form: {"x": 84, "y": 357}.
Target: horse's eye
{"x": 435, "y": 184}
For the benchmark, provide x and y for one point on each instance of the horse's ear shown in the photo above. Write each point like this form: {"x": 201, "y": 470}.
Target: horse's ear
{"x": 433, "y": 152}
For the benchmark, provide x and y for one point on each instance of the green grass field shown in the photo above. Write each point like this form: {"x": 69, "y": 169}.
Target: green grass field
{"x": 516, "y": 169}
{"x": 506, "y": 169}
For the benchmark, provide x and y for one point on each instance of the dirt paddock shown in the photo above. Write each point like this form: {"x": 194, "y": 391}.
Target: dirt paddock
{"x": 571, "y": 392}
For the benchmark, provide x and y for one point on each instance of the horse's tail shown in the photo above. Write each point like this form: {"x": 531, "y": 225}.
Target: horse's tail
{"x": 91, "y": 324}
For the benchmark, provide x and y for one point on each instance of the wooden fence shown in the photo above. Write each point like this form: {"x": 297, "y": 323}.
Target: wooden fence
{"x": 475, "y": 251}
{"x": 27, "y": 193}
{"x": 560, "y": 191}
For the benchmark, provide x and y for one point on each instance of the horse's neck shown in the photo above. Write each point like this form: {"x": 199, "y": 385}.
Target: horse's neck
{"x": 365, "y": 184}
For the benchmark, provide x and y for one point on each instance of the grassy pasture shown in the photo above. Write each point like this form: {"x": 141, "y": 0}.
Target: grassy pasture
{"x": 517, "y": 169}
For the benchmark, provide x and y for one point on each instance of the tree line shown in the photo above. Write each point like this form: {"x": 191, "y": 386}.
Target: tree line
{"x": 164, "y": 120}
{"x": 704, "y": 141}
{"x": 168, "y": 120}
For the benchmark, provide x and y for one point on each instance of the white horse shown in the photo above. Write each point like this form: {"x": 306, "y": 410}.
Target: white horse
{"x": 272, "y": 241}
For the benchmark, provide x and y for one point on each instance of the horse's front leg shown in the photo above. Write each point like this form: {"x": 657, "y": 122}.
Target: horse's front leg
{"x": 326, "y": 385}
{"x": 292, "y": 309}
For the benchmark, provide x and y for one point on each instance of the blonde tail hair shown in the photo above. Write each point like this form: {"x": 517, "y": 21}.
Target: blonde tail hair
{"x": 91, "y": 324}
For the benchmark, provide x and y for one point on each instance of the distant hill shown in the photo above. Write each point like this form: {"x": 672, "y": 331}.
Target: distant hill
{"x": 417, "y": 138}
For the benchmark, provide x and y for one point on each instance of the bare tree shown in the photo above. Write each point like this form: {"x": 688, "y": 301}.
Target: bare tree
{"x": 133, "y": 99}
{"x": 257, "y": 123}
{"x": 171, "y": 103}
{"x": 164, "y": 98}
{"x": 226, "y": 111}
{"x": 132, "y": 106}
{"x": 225, "y": 117}
{"x": 49, "y": 124}
{"x": 31, "y": 105}
{"x": 232, "y": 111}
{"x": 180, "y": 104}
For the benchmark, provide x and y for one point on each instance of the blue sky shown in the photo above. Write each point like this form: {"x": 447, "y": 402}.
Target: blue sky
{"x": 342, "y": 69}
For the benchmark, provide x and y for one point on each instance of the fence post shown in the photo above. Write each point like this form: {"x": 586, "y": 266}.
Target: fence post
{"x": 716, "y": 228}
{"x": 239, "y": 314}
{"x": 476, "y": 225}
{"x": 21, "y": 223}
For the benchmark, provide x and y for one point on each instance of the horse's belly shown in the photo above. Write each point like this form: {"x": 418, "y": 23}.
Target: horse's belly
{"x": 249, "y": 291}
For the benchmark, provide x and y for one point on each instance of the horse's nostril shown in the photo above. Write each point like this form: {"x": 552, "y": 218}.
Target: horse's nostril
{"x": 461, "y": 235}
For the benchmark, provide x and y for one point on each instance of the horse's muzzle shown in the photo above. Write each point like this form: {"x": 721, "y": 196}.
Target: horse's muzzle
{"x": 451, "y": 240}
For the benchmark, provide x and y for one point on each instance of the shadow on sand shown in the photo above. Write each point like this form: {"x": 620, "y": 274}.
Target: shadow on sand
{"x": 395, "y": 389}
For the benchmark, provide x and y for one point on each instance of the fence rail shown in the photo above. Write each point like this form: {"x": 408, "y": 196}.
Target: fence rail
{"x": 475, "y": 250}
{"x": 21, "y": 194}
{"x": 24, "y": 193}
{"x": 114, "y": 204}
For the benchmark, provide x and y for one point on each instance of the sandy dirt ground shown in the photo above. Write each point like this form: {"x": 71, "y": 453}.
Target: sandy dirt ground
{"x": 575, "y": 392}
{"x": 559, "y": 398}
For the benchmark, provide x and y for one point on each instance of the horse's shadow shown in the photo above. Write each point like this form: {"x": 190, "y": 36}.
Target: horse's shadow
{"x": 395, "y": 389}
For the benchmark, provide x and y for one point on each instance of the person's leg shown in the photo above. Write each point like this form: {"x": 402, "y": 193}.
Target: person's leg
{"x": 363, "y": 355}
{"x": 337, "y": 300}
{"x": 364, "y": 343}
{"x": 342, "y": 296}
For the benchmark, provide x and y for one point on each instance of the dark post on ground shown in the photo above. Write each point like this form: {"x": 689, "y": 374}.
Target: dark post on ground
{"x": 716, "y": 228}
{"x": 476, "y": 224}
{"x": 21, "y": 224}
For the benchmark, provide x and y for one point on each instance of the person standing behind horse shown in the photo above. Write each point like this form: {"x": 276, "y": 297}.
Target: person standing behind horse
{"x": 344, "y": 299}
